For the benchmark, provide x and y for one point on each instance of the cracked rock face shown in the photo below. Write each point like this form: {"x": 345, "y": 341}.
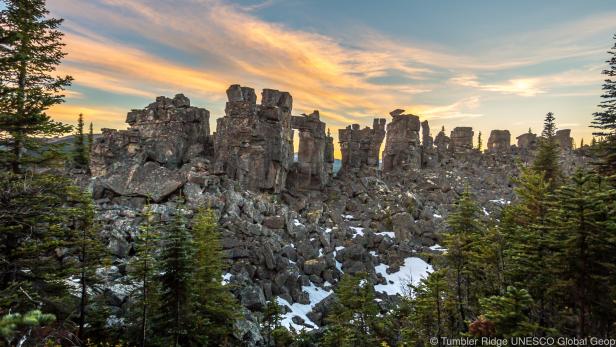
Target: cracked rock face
{"x": 499, "y": 141}
{"x": 564, "y": 139}
{"x": 462, "y": 138}
{"x": 360, "y": 147}
{"x": 253, "y": 143}
{"x": 402, "y": 148}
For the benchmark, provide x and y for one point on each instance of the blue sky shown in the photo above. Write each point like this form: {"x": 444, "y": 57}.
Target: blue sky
{"x": 485, "y": 64}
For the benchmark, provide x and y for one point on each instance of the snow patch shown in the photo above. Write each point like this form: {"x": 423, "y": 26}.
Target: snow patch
{"x": 226, "y": 278}
{"x": 315, "y": 295}
{"x": 436, "y": 215}
{"x": 411, "y": 272}
{"x": 389, "y": 234}
{"x": 438, "y": 248}
{"x": 501, "y": 201}
{"x": 359, "y": 231}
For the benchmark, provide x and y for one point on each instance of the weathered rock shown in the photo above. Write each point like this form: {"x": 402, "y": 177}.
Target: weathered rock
{"x": 499, "y": 141}
{"x": 462, "y": 138}
{"x": 564, "y": 139}
{"x": 402, "y": 148}
{"x": 253, "y": 144}
{"x": 527, "y": 141}
{"x": 313, "y": 169}
{"x": 360, "y": 147}
{"x": 442, "y": 142}
{"x": 252, "y": 297}
{"x": 426, "y": 139}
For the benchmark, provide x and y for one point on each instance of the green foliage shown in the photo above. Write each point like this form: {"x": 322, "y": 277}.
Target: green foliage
{"x": 215, "y": 307}
{"x": 31, "y": 50}
{"x": 271, "y": 322}
{"x": 605, "y": 120}
{"x": 584, "y": 225}
{"x": 353, "y": 321}
{"x": 14, "y": 324}
{"x": 479, "y": 142}
{"x": 80, "y": 154}
{"x": 509, "y": 313}
{"x": 174, "y": 320}
{"x": 546, "y": 160}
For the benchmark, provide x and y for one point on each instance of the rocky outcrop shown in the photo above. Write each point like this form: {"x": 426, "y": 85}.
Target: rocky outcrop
{"x": 527, "y": 142}
{"x": 360, "y": 147}
{"x": 143, "y": 160}
{"x": 462, "y": 139}
{"x": 499, "y": 141}
{"x": 442, "y": 142}
{"x": 313, "y": 169}
{"x": 564, "y": 139}
{"x": 426, "y": 139}
{"x": 402, "y": 147}
{"x": 253, "y": 143}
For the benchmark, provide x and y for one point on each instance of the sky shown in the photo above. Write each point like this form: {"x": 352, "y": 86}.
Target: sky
{"x": 484, "y": 64}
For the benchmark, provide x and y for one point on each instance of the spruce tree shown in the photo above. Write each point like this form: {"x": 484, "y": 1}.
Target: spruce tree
{"x": 143, "y": 274}
{"x": 462, "y": 240}
{"x": 215, "y": 307}
{"x": 353, "y": 321}
{"x": 174, "y": 322}
{"x": 479, "y": 142}
{"x": 80, "y": 156}
{"x": 528, "y": 238}
{"x": 584, "y": 223}
{"x": 31, "y": 50}
{"x": 509, "y": 313}
{"x": 90, "y": 140}
{"x": 546, "y": 160}
{"x": 605, "y": 120}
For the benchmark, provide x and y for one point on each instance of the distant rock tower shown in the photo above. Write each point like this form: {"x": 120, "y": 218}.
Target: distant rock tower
{"x": 360, "y": 147}
{"x": 462, "y": 139}
{"x": 253, "y": 143}
{"x": 499, "y": 141}
{"x": 402, "y": 148}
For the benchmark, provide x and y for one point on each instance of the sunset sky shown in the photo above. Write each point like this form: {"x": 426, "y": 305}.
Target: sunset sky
{"x": 485, "y": 64}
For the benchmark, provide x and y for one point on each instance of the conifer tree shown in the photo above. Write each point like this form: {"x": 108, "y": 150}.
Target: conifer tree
{"x": 461, "y": 242}
{"x": 90, "y": 140}
{"x": 80, "y": 157}
{"x": 584, "y": 222}
{"x": 479, "y": 142}
{"x": 509, "y": 313}
{"x": 31, "y": 50}
{"x": 546, "y": 160}
{"x": 605, "y": 120}
{"x": 215, "y": 307}
{"x": 143, "y": 266}
{"x": 529, "y": 247}
{"x": 174, "y": 322}
{"x": 353, "y": 321}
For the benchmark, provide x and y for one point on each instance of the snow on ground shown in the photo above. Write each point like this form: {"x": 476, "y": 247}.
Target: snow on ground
{"x": 338, "y": 264}
{"x": 226, "y": 278}
{"x": 347, "y": 216}
{"x": 412, "y": 271}
{"x": 327, "y": 230}
{"x": 485, "y": 211}
{"x": 390, "y": 234}
{"x": 436, "y": 215}
{"x": 438, "y": 248}
{"x": 315, "y": 294}
{"x": 297, "y": 223}
{"x": 359, "y": 231}
{"x": 501, "y": 201}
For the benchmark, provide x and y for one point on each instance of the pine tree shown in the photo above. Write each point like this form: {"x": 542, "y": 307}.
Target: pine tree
{"x": 143, "y": 273}
{"x": 584, "y": 223}
{"x": 16, "y": 327}
{"x": 353, "y": 321}
{"x": 214, "y": 306}
{"x": 479, "y": 142}
{"x": 80, "y": 157}
{"x": 90, "y": 140}
{"x": 527, "y": 230}
{"x": 546, "y": 160}
{"x": 31, "y": 50}
{"x": 175, "y": 320}
{"x": 508, "y": 314}
{"x": 465, "y": 232}
{"x": 605, "y": 120}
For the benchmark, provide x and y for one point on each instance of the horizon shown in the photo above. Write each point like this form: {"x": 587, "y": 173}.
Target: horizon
{"x": 481, "y": 64}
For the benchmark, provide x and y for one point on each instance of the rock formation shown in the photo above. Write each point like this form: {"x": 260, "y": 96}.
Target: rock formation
{"x": 462, "y": 139}
{"x": 442, "y": 142}
{"x": 253, "y": 143}
{"x": 426, "y": 139}
{"x": 402, "y": 147}
{"x": 316, "y": 153}
{"x": 360, "y": 147}
{"x": 499, "y": 141}
{"x": 143, "y": 160}
{"x": 527, "y": 141}
{"x": 564, "y": 139}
